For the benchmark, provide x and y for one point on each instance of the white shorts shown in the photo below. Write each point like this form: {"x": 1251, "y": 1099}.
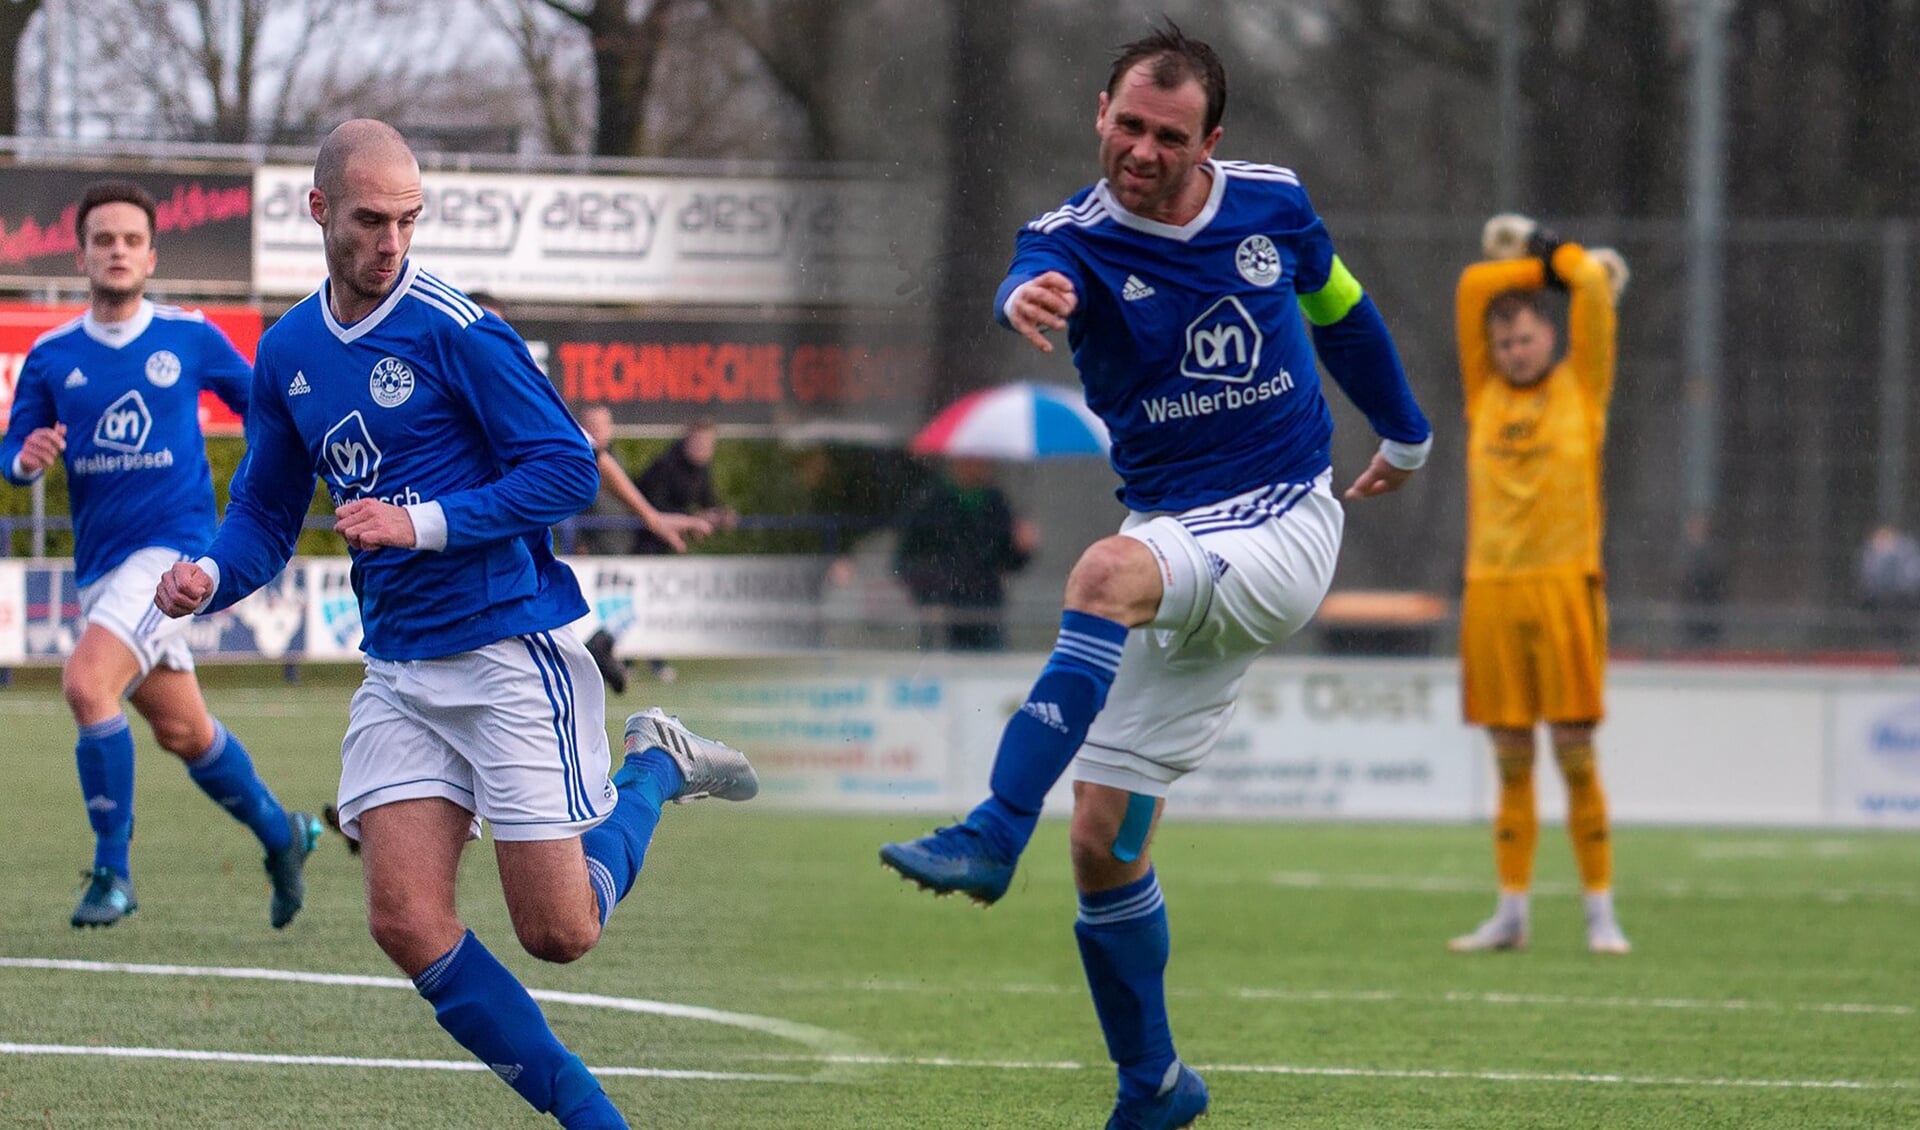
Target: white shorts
{"x": 514, "y": 732}
{"x": 121, "y": 601}
{"x": 1240, "y": 576}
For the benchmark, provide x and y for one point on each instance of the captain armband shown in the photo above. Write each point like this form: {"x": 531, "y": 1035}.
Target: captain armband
{"x": 1335, "y": 300}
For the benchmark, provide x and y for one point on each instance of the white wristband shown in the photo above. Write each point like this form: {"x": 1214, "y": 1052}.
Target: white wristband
{"x": 1406, "y": 456}
{"x": 429, "y": 525}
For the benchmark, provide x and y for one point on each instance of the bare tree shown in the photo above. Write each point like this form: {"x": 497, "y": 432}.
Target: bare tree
{"x": 626, "y": 54}
{"x": 544, "y": 50}
{"x": 15, "y": 15}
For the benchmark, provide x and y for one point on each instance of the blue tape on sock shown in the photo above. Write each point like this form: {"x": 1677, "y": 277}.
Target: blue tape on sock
{"x": 1132, "y": 839}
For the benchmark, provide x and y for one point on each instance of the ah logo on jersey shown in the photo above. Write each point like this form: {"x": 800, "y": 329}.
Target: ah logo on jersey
{"x": 125, "y": 424}
{"x": 353, "y": 461}
{"x": 1223, "y": 344}
{"x": 163, "y": 368}
{"x": 392, "y": 383}
{"x": 1257, "y": 260}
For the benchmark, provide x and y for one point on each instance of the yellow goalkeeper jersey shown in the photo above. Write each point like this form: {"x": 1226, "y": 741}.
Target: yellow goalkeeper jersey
{"x": 1534, "y": 506}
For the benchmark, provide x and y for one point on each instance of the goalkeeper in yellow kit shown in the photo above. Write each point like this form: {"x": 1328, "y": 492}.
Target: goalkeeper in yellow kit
{"x": 1533, "y": 618}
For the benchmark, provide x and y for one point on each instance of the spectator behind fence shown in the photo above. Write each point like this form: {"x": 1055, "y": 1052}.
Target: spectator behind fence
{"x": 1890, "y": 584}
{"x": 680, "y": 482}
{"x": 958, "y": 541}
{"x": 1703, "y": 584}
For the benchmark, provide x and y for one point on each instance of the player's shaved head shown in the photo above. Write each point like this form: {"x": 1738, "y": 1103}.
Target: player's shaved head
{"x": 360, "y": 140}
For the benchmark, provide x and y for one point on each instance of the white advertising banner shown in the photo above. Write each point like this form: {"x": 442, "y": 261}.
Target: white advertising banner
{"x": 623, "y": 239}
{"x": 697, "y": 606}
{"x": 333, "y": 611}
{"x": 1876, "y": 759}
{"x": 1341, "y": 740}
{"x": 861, "y": 742}
{"x": 1337, "y": 739}
{"x": 13, "y": 612}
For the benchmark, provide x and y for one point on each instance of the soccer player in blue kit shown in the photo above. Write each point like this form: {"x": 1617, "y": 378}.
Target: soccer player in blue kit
{"x": 1181, "y": 282}
{"x": 448, "y": 455}
{"x": 115, "y": 393}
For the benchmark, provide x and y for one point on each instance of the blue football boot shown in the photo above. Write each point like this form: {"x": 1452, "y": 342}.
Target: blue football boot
{"x": 287, "y": 868}
{"x": 106, "y": 899}
{"x": 955, "y": 858}
{"x": 1176, "y": 1106}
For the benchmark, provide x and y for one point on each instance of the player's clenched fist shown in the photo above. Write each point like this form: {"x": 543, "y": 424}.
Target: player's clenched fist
{"x": 1040, "y": 305}
{"x": 42, "y": 448}
{"x": 183, "y": 589}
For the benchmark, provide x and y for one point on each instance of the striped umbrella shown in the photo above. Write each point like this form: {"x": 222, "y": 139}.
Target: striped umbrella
{"x": 1021, "y": 421}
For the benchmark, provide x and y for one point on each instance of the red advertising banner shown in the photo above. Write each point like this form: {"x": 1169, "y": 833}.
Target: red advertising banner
{"x": 203, "y": 228}
{"x": 753, "y": 374}
{"x": 21, "y": 323}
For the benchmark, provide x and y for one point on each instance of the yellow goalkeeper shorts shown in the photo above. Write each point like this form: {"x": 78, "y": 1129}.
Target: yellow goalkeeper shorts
{"x": 1533, "y": 649}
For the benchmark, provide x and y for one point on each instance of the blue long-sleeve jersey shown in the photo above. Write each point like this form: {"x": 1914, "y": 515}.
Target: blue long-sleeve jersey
{"x": 426, "y": 400}
{"x": 1190, "y": 341}
{"x": 129, "y": 394}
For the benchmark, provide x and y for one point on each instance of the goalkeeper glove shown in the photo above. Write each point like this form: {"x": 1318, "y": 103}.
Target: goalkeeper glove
{"x": 1615, "y": 265}
{"x": 1505, "y": 236}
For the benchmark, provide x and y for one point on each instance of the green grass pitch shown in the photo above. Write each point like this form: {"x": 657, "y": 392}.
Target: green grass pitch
{"x": 1775, "y": 981}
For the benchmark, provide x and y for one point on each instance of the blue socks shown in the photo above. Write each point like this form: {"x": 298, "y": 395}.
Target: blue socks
{"x": 1041, "y": 739}
{"x": 490, "y": 1013}
{"x": 225, "y": 773}
{"x": 616, "y": 848}
{"x": 104, "y": 757}
{"x": 1123, "y": 945}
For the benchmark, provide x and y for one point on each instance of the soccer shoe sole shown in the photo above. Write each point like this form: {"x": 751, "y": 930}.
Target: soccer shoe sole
{"x": 982, "y": 892}
{"x": 709, "y": 767}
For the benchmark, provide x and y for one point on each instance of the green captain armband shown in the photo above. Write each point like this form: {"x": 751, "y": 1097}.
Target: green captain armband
{"x": 1331, "y": 302}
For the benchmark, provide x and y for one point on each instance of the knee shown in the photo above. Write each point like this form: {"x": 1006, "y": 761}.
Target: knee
{"x": 558, "y": 942}
{"x": 1513, "y": 758}
{"x": 1103, "y": 583}
{"x": 1574, "y": 752}
{"x": 182, "y": 737}
{"x": 412, "y": 940}
{"x": 88, "y": 700}
{"x": 1091, "y": 842}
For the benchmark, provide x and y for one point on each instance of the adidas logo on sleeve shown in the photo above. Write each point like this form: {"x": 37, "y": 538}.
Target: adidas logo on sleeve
{"x": 299, "y": 387}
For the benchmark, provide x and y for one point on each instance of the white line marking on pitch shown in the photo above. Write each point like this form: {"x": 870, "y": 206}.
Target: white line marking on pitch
{"x": 1376, "y": 996}
{"x": 1381, "y": 1073}
{"x": 194, "y": 1055}
{"x": 828, "y": 1043}
{"x": 1678, "y": 889}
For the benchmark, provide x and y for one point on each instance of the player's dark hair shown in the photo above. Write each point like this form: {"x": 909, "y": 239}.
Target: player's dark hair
{"x": 1174, "y": 59}
{"x": 115, "y": 192}
{"x": 1508, "y": 304}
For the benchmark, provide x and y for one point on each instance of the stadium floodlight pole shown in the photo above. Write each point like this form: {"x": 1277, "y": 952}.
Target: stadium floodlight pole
{"x": 1706, "y": 254}
{"x": 1890, "y": 500}
{"x": 1506, "y": 154}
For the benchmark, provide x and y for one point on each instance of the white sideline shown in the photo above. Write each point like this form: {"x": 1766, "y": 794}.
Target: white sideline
{"x": 195, "y": 1055}
{"x": 831, "y": 1050}
{"x": 821, "y": 1040}
{"x": 1372, "y": 996}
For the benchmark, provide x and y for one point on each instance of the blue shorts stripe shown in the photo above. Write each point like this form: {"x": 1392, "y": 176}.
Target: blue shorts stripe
{"x": 555, "y": 699}
{"x": 573, "y": 722}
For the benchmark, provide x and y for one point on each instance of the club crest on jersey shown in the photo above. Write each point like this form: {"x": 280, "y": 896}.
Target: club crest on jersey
{"x": 1257, "y": 260}
{"x": 392, "y": 383}
{"x": 163, "y": 368}
{"x": 1223, "y": 344}
{"x": 125, "y": 425}
{"x": 352, "y": 458}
